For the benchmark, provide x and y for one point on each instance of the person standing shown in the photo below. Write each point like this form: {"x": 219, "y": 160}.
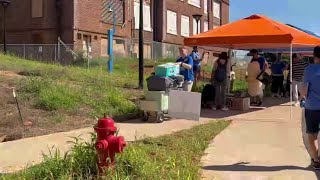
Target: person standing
{"x": 263, "y": 64}
{"x": 298, "y": 67}
{"x": 261, "y": 60}
{"x": 186, "y": 68}
{"x": 310, "y": 91}
{"x": 196, "y": 63}
{"x": 277, "y": 69}
{"x": 219, "y": 75}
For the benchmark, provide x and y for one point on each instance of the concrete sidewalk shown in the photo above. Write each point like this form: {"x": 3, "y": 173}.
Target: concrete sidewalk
{"x": 16, "y": 155}
{"x": 261, "y": 145}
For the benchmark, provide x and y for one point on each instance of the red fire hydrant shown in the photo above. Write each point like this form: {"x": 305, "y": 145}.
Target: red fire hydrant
{"x": 108, "y": 144}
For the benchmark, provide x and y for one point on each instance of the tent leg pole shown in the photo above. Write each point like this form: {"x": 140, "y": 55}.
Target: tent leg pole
{"x": 291, "y": 83}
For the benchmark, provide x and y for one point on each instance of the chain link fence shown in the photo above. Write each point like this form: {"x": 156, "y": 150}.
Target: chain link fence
{"x": 95, "y": 54}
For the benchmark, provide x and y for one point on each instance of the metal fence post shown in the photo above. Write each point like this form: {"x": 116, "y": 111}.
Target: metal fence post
{"x": 24, "y": 51}
{"x": 55, "y": 53}
{"x": 59, "y": 49}
{"x": 88, "y": 60}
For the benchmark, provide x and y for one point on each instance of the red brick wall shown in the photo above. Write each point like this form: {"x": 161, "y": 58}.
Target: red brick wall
{"x": 21, "y": 26}
{"x": 88, "y": 19}
{"x": 183, "y": 8}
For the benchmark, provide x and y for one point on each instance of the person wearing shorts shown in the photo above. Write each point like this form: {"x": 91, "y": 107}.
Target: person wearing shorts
{"x": 196, "y": 64}
{"x": 186, "y": 68}
{"x": 310, "y": 91}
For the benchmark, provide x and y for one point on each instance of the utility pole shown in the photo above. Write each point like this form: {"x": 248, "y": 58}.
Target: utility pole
{"x": 5, "y": 4}
{"x": 141, "y": 45}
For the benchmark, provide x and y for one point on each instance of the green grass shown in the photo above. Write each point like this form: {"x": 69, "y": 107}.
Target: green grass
{"x": 53, "y": 87}
{"x": 175, "y": 156}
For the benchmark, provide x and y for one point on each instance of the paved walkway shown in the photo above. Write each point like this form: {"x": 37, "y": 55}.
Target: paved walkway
{"x": 261, "y": 145}
{"x": 16, "y": 155}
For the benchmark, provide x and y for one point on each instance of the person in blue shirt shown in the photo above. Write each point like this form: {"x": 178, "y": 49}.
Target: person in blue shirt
{"x": 310, "y": 91}
{"x": 186, "y": 68}
{"x": 196, "y": 63}
{"x": 261, "y": 60}
{"x": 277, "y": 69}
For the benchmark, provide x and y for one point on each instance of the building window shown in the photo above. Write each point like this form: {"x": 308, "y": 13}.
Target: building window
{"x": 196, "y": 3}
{"x": 216, "y": 6}
{"x": 171, "y": 22}
{"x": 205, "y": 6}
{"x": 79, "y": 36}
{"x": 205, "y": 26}
{"x": 37, "y": 8}
{"x": 117, "y": 7}
{"x": 95, "y": 37}
{"x": 195, "y": 26}
{"x": 146, "y": 16}
{"x": 185, "y": 26}
{"x": 86, "y": 43}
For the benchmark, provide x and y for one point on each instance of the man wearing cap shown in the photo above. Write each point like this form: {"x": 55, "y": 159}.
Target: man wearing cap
{"x": 258, "y": 93}
{"x": 219, "y": 76}
{"x": 261, "y": 60}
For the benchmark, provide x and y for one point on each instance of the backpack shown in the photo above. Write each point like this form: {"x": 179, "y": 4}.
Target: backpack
{"x": 208, "y": 94}
{"x": 221, "y": 72}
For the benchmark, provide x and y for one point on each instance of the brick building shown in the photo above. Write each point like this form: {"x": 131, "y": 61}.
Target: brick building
{"x": 85, "y": 23}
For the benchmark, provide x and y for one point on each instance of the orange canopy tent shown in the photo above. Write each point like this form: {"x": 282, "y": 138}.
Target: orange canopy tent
{"x": 256, "y": 31}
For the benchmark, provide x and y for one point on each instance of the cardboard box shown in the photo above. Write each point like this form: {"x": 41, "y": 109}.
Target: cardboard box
{"x": 241, "y": 104}
{"x": 184, "y": 105}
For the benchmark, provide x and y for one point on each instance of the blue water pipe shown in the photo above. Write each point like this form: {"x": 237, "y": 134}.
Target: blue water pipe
{"x": 111, "y": 33}
{"x": 110, "y": 50}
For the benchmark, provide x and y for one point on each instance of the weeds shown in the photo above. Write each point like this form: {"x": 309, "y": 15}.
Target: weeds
{"x": 175, "y": 156}
{"x": 56, "y": 88}
{"x": 57, "y": 117}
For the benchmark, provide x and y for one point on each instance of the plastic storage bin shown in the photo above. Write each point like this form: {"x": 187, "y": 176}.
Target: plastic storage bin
{"x": 167, "y": 70}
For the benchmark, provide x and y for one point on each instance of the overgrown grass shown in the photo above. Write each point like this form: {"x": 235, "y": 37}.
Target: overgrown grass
{"x": 53, "y": 87}
{"x": 175, "y": 156}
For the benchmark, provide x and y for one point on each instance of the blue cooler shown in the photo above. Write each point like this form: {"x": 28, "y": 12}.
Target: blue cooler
{"x": 167, "y": 70}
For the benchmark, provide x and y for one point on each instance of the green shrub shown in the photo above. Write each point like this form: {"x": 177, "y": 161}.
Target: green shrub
{"x": 81, "y": 59}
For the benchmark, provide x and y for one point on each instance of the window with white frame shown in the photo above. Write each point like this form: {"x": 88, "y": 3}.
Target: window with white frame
{"x": 216, "y": 9}
{"x": 205, "y": 6}
{"x": 171, "y": 22}
{"x": 196, "y": 3}
{"x": 185, "y": 26}
{"x": 195, "y": 26}
{"x": 146, "y": 16}
{"x": 205, "y": 26}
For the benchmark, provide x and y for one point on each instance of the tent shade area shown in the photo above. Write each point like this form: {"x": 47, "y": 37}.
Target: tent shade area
{"x": 256, "y": 31}
{"x": 304, "y": 50}
{"x": 306, "y": 31}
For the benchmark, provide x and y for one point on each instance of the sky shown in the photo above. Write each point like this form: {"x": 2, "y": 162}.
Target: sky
{"x": 304, "y": 14}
